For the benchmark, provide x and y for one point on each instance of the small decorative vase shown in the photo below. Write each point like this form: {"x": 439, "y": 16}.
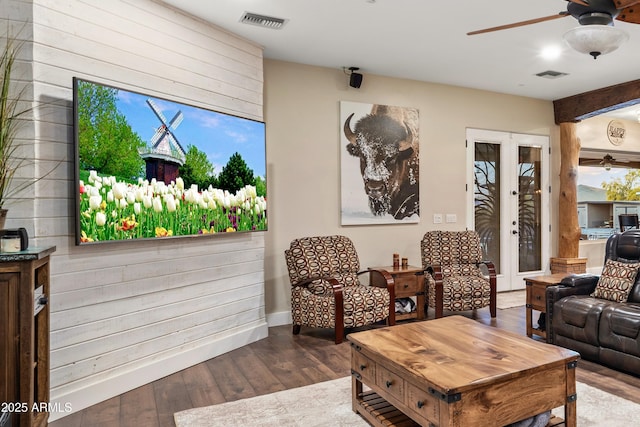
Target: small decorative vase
{"x": 3, "y": 217}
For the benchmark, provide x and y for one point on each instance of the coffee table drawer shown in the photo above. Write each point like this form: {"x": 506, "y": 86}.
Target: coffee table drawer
{"x": 423, "y": 404}
{"x": 362, "y": 365}
{"x": 392, "y": 384}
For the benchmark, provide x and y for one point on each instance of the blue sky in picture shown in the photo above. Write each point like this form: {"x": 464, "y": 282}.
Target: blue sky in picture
{"x": 216, "y": 134}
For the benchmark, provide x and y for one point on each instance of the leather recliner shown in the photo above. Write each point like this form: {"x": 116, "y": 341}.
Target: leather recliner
{"x": 600, "y": 330}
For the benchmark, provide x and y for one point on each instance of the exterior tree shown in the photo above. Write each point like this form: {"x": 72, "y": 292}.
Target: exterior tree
{"x": 107, "y": 142}
{"x": 627, "y": 188}
{"x": 235, "y": 175}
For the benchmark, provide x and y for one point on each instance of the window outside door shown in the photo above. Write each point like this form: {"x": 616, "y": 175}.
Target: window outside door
{"x": 508, "y": 202}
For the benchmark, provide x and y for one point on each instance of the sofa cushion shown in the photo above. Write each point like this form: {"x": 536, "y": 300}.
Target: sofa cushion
{"x": 620, "y": 328}
{"x": 616, "y": 280}
{"x": 577, "y": 317}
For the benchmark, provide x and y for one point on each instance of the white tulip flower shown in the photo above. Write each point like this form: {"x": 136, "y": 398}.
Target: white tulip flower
{"x": 101, "y": 219}
{"x": 171, "y": 204}
{"x": 157, "y": 204}
{"x": 94, "y": 202}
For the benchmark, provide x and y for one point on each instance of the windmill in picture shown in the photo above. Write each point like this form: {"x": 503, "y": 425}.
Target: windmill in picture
{"x": 166, "y": 154}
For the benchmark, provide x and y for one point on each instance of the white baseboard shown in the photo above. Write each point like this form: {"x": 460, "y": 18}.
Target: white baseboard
{"x": 77, "y": 396}
{"x": 279, "y": 319}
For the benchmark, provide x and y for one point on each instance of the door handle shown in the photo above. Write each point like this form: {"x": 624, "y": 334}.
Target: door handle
{"x": 514, "y": 232}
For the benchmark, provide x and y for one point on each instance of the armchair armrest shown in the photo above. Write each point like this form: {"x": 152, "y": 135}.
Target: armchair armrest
{"x": 570, "y": 285}
{"x": 493, "y": 299}
{"x": 491, "y": 268}
{"x": 435, "y": 271}
{"x": 385, "y": 280}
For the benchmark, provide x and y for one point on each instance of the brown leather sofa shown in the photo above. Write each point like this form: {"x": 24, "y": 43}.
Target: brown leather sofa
{"x": 600, "y": 330}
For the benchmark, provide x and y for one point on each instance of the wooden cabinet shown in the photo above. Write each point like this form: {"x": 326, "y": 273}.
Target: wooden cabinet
{"x": 24, "y": 333}
{"x": 409, "y": 282}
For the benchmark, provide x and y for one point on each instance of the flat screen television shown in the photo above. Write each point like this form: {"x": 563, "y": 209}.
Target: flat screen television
{"x": 151, "y": 168}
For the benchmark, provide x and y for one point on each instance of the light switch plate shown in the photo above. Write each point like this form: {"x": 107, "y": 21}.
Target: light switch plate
{"x": 451, "y": 218}
{"x": 437, "y": 218}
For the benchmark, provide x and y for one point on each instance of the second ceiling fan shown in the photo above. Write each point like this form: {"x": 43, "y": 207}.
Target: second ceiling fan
{"x": 587, "y": 12}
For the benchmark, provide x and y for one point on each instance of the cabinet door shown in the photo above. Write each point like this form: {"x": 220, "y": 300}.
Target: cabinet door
{"x": 9, "y": 337}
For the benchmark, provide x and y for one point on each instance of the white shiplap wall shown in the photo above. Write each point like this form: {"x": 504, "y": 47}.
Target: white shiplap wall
{"x": 124, "y": 314}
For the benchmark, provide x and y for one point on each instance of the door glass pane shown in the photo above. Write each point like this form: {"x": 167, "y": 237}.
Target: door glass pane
{"x": 487, "y": 199}
{"x": 529, "y": 208}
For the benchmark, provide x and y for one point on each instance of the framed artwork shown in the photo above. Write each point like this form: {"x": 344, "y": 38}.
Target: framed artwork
{"x": 380, "y": 165}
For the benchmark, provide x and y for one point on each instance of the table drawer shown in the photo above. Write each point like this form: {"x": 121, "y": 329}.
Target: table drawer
{"x": 391, "y": 383}
{"x": 364, "y": 366}
{"x": 408, "y": 285}
{"x": 538, "y": 299}
{"x": 422, "y": 404}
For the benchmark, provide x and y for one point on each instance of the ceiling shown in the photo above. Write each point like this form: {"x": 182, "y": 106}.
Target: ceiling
{"x": 426, "y": 40}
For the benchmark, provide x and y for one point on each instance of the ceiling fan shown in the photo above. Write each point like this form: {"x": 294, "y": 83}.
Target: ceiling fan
{"x": 607, "y": 162}
{"x": 587, "y": 12}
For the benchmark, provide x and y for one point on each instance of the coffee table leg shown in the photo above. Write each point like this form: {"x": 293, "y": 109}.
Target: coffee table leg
{"x": 356, "y": 392}
{"x": 570, "y": 407}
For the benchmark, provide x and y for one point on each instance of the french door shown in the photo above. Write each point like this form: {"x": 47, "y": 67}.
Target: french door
{"x": 508, "y": 202}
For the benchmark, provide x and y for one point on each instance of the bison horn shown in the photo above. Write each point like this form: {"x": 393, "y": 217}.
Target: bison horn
{"x": 407, "y": 143}
{"x": 347, "y": 130}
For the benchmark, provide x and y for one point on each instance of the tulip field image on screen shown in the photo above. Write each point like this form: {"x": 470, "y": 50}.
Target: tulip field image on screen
{"x": 150, "y": 168}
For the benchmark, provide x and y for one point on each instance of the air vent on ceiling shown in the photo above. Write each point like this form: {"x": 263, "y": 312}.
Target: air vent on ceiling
{"x": 262, "y": 20}
{"x": 550, "y": 74}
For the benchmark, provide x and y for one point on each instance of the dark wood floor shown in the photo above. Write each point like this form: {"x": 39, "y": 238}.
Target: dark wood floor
{"x": 280, "y": 362}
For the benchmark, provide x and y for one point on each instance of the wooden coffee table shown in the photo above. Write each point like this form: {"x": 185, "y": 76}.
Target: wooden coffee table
{"x": 454, "y": 371}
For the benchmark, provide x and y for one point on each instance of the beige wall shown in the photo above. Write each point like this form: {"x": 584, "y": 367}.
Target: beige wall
{"x": 303, "y": 159}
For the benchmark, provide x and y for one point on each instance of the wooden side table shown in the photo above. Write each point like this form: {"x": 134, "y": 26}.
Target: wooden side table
{"x": 536, "y": 289}
{"x": 409, "y": 282}
{"x": 24, "y": 312}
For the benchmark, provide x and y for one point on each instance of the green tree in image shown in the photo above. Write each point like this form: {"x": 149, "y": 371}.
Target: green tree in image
{"x": 261, "y": 187}
{"x": 235, "y": 175}
{"x": 106, "y": 143}
{"x": 197, "y": 169}
{"x": 627, "y": 188}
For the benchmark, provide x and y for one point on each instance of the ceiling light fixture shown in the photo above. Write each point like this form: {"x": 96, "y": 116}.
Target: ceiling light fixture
{"x": 606, "y": 162}
{"x": 595, "y": 39}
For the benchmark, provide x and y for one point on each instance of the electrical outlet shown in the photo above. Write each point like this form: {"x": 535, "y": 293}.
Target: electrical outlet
{"x": 450, "y": 218}
{"x": 437, "y": 218}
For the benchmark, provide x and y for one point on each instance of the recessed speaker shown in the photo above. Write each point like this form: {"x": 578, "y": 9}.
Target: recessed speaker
{"x": 355, "y": 80}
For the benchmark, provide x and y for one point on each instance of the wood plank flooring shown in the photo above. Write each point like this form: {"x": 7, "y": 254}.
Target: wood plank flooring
{"x": 278, "y": 362}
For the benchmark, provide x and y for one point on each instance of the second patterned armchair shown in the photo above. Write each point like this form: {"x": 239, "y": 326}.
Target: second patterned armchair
{"x": 326, "y": 291}
{"x": 455, "y": 282}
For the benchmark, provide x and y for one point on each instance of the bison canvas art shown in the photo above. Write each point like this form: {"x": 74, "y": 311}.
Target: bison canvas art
{"x": 380, "y": 165}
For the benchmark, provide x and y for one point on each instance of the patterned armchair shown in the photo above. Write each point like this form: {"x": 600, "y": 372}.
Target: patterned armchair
{"x": 455, "y": 282}
{"x": 326, "y": 291}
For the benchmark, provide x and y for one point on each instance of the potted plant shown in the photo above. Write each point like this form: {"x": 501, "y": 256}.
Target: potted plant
{"x": 12, "y": 116}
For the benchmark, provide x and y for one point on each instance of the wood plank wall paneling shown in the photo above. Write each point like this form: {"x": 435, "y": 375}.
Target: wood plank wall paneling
{"x": 123, "y": 314}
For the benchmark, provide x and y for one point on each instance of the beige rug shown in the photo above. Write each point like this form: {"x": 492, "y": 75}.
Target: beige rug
{"x": 328, "y": 404}
{"x": 511, "y": 299}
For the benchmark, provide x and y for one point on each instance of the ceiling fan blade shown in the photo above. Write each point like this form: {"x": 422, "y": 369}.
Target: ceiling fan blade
{"x": 584, "y": 3}
{"x": 630, "y": 14}
{"x": 621, "y": 4}
{"x": 519, "y": 24}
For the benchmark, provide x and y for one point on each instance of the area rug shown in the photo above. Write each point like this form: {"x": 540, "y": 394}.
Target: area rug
{"x": 511, "y": 299}
{"x": 328, "y": 404}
